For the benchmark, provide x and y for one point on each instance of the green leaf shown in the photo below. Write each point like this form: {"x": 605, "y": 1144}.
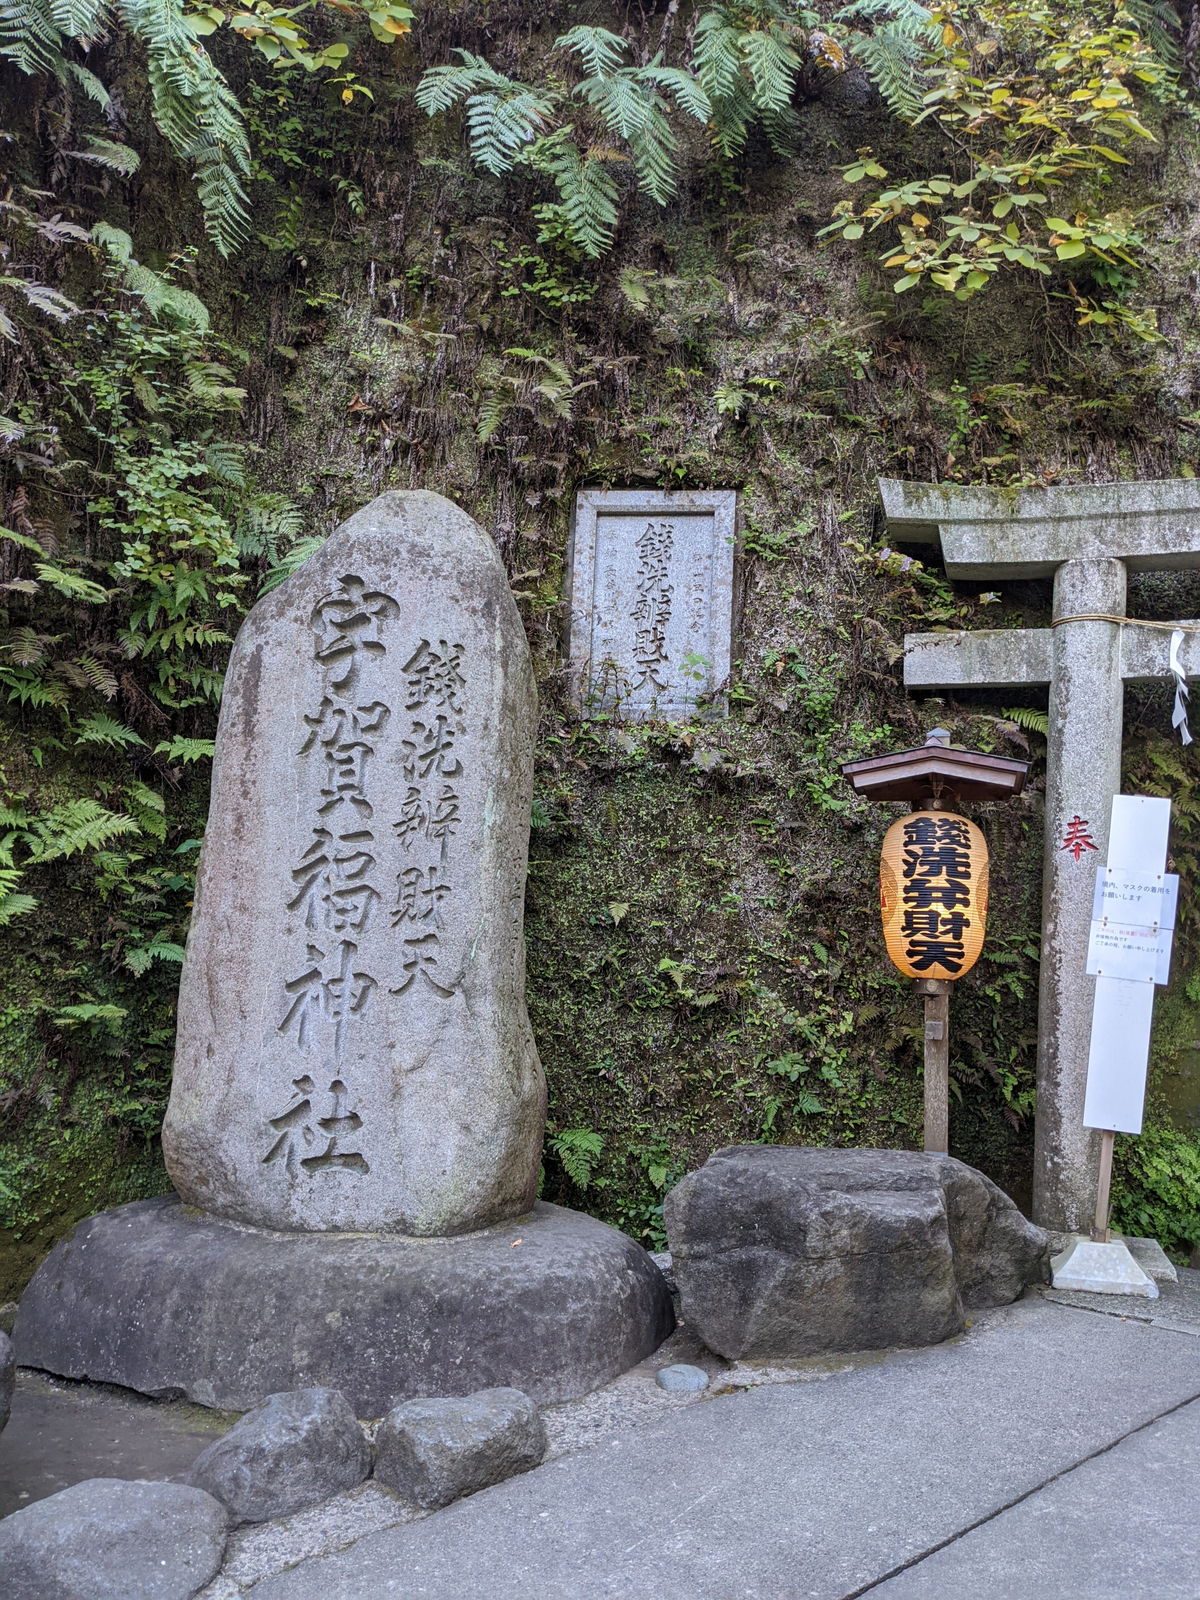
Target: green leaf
{"x": 186, "y": 750}
{"x": 105, "y": 730}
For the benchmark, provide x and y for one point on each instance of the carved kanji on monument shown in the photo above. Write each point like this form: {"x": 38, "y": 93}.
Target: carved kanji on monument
{"x": 651, "y": 598}
{"x": 353, "y": 1046}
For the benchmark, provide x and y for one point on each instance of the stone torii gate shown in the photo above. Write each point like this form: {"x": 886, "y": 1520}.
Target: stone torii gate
{"x": 1088, "y": 537}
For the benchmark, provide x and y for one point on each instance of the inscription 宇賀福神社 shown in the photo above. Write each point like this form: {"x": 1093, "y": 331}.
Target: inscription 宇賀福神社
{"x": 335, "y": 880}
{"x": 354, "y": 1052}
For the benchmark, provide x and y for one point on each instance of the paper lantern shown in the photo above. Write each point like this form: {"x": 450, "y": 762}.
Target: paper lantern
{"x": 933, "y": 892}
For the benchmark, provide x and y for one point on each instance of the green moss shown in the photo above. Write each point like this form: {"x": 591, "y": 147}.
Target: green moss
{"x": 58, "y": 1172}
{"x": 704, "y": 957}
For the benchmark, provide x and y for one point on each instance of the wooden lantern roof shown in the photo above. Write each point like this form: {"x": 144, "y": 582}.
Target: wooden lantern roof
{"x": 936, "y": 771}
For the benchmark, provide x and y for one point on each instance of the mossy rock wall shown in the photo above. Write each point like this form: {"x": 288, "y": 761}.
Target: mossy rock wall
{"x": 704, "y": 964}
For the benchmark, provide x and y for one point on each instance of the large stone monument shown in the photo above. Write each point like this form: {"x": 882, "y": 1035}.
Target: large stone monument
{"x": 356, "y": 1116}
{"x": 1087, "y": 537}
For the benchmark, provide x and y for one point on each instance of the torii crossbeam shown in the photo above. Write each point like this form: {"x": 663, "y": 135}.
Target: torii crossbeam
{"x": 1088, "y": 536}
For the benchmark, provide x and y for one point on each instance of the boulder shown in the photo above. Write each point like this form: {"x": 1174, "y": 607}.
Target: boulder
{"x": 8, "y": 1378}
{"x": 157, "y": 1297}
{"x": 106, "y": 1539}
{"x": 433, "y": 1451}
{"x": 291, "y": 1452}
{"x": 791, "y": 1252}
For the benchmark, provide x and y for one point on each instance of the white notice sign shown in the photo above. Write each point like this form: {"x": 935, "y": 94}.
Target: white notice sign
{"x": 1132, "y": 919}
{"x": 1120, "y": 1051}
{"x": 1143, "y": 899}
{"x": 1129, "y": 951}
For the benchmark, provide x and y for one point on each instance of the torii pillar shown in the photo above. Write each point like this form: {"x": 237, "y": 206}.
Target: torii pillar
{"x": 1088, "y": 537}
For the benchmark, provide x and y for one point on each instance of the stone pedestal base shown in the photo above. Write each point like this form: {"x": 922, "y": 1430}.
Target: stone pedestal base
{"x": 167, "y": 1300}
{"x": 1101, "y": 1269}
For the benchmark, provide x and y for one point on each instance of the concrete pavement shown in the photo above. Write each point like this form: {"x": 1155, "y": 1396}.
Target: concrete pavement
{"x": 1051, "y": 1451}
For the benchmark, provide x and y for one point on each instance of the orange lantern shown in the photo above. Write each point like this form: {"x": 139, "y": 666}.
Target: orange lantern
{"x": 933, "y": 894}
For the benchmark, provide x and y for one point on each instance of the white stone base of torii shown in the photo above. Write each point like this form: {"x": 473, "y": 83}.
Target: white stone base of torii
{"x": 1088, "y": 537}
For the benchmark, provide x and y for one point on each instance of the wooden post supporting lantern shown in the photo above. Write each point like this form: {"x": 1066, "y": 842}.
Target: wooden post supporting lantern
{"x": 933, "y": 883}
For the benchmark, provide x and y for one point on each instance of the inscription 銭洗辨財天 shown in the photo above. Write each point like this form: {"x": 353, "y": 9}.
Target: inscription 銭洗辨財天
{"x": 338, "y": 885}
{"x": 652, "y": 612}
{"x": 652, "y": 599}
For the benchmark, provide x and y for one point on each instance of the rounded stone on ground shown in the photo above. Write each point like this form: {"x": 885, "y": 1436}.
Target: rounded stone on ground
{"x": 681, "y": 1377}
{"x": 108, "y": 1539}
{"x": 292, "y": 1452}
{"x": 435, "y": 1451}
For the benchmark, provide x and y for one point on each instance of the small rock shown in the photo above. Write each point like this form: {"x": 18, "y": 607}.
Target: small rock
{"x": 433, "y": 1451}
{"x": 106, "y": 1539}
{"x": 680, "y": 1378}
{"x": 289, "y": 1453}
{"x": 8, "y": 1377}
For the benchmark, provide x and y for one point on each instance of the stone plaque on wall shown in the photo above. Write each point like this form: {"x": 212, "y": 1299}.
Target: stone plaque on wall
{"x": 652, "y": 598}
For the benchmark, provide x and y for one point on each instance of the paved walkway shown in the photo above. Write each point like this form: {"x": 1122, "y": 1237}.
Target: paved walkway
{"x": 1052, "y": 1453}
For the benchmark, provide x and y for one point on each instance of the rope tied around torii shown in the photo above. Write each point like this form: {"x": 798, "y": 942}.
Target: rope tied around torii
{"x": 1179, "y": 712}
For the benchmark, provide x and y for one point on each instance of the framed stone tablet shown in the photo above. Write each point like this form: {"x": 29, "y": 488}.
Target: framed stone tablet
{"x": 651, "y": 585}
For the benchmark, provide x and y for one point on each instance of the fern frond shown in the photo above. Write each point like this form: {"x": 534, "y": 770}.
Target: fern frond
{"x": 108, "y": 153}
{"x": 75, "y": 826}
{"x": 104, "y": 730}
{"x": 80, "y": 19}
{"x": 718, "y": 55}
{"x": 266, "y": 523}
{"x": 186, "y": 750}
{"x": 890, "y": 56}
{"x": 444, "y": 86}
{"x": 910, "y": 14}
{"x": 687, "y": 93}
{"x": 14, "y": 905}
{"x": 41, "y": 296}
{"x": 31, "y": 39}
{"x": 1158, "y": 23}
{"x": 97, "y": 676}
{"x": 197, "y": 113}
{"x": 600, "y": 51}
{"x": 653, "y": 149}
{"x": 503, "y": 116}
{"x": 90, "y": 84}
{"x": 586, "y": 188}
{"x": 492, "y": 409}
{"x": 291, "y": 562}
{"x": 499, "y": 127}
{"x": 1032, "y": 721}
{"x": 139, "y": 960}
{"x": 225, "y": 461}
{"x": 578, "y": 1149}
{"x": 115, "y": 242}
